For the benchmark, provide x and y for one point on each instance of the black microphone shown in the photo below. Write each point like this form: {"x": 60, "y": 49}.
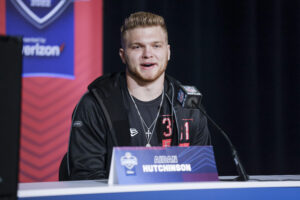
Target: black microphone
{"x": 190, "y": 97}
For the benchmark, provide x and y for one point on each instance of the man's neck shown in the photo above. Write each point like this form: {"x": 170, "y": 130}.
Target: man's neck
{"x": 145, "y": 91}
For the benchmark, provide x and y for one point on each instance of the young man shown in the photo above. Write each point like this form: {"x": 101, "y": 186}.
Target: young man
{"x": 135, "y": 108}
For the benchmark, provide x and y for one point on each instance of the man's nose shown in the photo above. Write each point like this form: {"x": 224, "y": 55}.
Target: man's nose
{"x": 147, "y": 53}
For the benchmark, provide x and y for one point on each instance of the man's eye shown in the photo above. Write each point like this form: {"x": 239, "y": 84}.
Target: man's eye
{"x": 157, "y": 46}
{"x": 135, "y": 47}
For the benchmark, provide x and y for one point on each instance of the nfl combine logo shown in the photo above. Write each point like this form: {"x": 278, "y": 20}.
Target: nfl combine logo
{"x": 129, "y": 162}
{"x": 40, "y": 18}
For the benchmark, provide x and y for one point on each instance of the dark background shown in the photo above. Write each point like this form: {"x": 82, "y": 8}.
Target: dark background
{"x": 244, "y": 56}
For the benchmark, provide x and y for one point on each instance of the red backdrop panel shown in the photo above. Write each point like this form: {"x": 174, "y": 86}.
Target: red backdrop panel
{"x": 2, "y": 17}
{"x": 47, "y": 103}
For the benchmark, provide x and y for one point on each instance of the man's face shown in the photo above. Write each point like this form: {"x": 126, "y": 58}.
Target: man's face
{"x": 146, "y": 53}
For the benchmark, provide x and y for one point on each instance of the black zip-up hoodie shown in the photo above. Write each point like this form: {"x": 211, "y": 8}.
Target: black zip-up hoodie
{"x": 100, "y": 122}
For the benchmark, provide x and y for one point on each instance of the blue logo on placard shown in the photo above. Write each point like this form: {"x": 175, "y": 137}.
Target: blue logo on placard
{"x": 129, "y": 162}
{"x": 40, "y": 18}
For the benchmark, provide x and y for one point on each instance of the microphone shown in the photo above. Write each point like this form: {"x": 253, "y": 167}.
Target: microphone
{"x": 190, "y": 97}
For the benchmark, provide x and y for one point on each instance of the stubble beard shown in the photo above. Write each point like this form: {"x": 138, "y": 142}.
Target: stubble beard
{"x": 141, "y": 79}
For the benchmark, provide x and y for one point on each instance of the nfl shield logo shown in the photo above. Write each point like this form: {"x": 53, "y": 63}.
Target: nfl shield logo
{"x": 129, "y": 162}
{"x": 41, "y": 13}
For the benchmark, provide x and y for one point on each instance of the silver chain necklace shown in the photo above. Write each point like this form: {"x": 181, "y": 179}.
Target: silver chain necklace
{"x": 148, "y": 133}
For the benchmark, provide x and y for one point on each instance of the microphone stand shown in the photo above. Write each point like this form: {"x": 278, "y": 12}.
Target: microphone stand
{"x": 240, "y": 169}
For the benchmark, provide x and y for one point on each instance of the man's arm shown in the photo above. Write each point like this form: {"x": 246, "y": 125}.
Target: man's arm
{"x": 88, "y": 147}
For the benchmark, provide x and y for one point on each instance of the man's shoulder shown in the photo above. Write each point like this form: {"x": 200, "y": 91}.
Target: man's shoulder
{"x": 173, "y": 85}
{"x": 107, "y": 80}
{"x": 172, "y": 80}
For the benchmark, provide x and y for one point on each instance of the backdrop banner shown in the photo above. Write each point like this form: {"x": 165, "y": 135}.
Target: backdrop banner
{"x": 62, "y": 54}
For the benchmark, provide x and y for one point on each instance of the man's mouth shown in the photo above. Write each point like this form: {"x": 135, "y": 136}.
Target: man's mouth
{"x": 147, "y": 64}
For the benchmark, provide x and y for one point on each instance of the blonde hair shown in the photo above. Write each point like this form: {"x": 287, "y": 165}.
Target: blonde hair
{"x": 142, "y": 19}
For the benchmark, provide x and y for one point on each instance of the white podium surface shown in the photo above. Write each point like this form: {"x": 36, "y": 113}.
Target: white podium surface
{"x": 287, "y": 186}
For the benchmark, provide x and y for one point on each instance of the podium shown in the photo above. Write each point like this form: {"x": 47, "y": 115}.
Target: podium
{"x": 259, "y": 187}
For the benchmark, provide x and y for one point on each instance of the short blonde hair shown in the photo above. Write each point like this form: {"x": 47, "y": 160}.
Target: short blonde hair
{"x": 142, "y": 19}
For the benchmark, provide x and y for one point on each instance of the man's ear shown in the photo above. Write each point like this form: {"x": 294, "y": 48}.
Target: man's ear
{"x": 122, "y": 55}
